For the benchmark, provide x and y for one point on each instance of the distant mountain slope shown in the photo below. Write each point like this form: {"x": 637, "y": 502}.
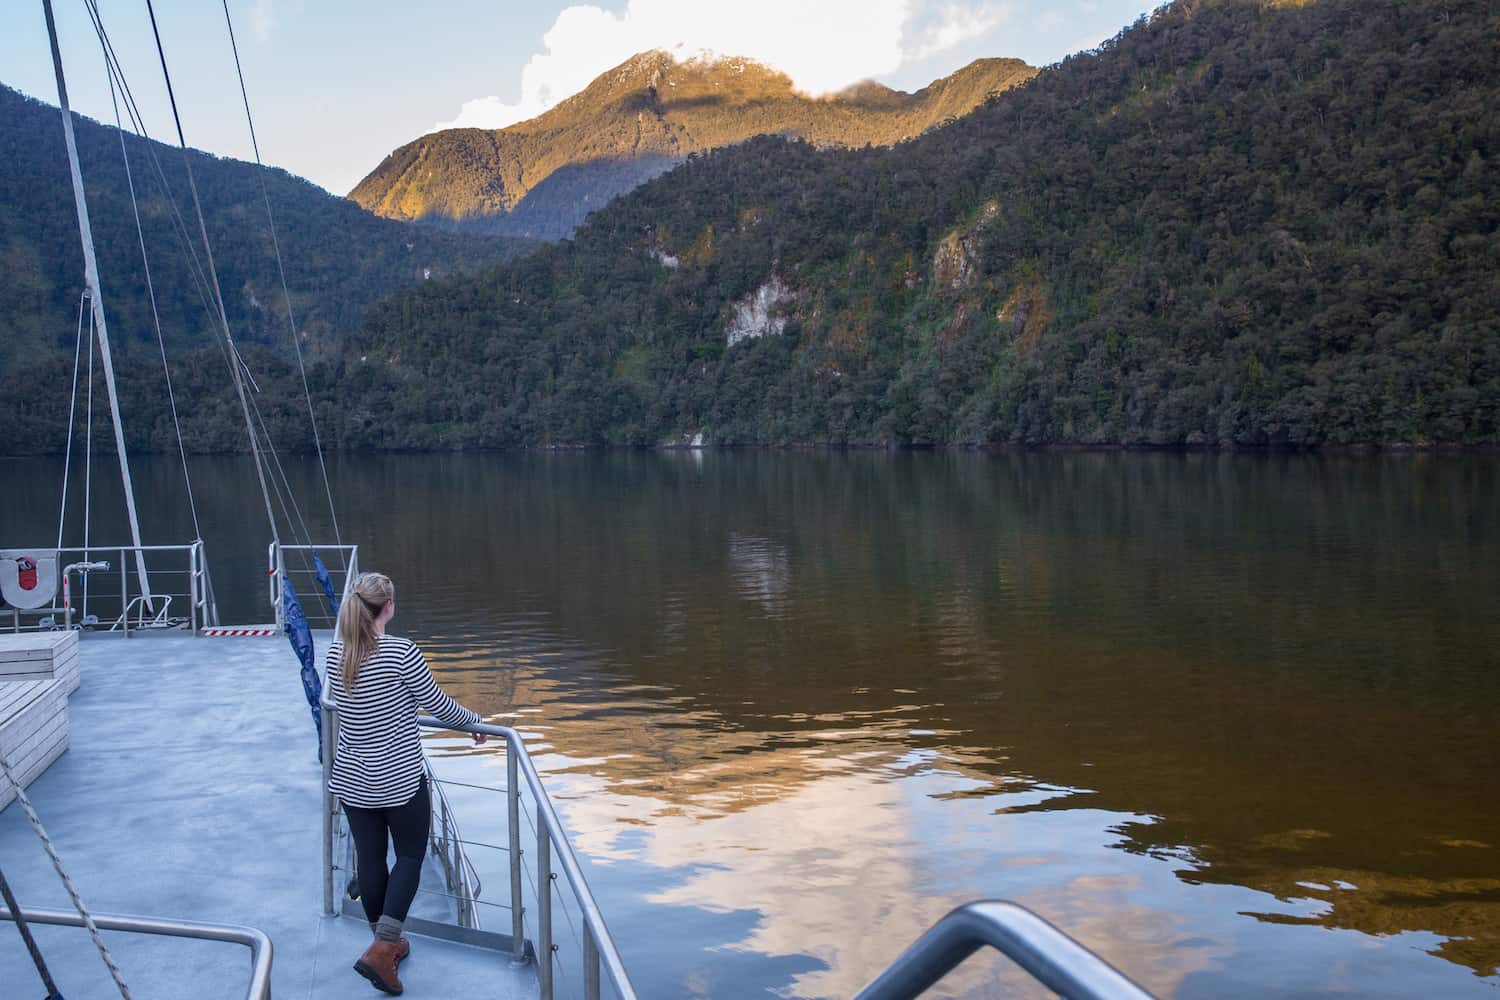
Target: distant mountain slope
{"x": 1238, "y": 223}
{"x": 339, "y": 258}
{"x": 542, "y": 177}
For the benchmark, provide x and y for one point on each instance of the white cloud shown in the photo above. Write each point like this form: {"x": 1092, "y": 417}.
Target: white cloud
{"x": 262, "y": 19}
{"x": 951, "y": 25}
{"x": 823, "y": 46}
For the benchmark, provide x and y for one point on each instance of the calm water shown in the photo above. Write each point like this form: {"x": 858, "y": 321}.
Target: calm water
{"x": 1231, "y": 721}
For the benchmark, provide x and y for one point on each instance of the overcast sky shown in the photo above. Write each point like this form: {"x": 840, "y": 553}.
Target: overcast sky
{"x": 337, "y": 84}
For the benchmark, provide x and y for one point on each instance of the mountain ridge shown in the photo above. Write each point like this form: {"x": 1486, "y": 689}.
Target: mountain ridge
{"x": 541, "y": 177}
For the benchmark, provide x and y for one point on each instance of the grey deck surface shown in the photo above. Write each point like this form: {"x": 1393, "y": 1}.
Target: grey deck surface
{"x": 191, "y": 791}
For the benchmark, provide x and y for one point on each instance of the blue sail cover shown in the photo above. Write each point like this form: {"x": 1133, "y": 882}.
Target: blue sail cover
{"x": 300, "y": 636}
{"x": 326, "y": 582}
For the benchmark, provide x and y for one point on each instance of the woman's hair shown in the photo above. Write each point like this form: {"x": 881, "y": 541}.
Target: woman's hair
{"x": 371, "y": 593}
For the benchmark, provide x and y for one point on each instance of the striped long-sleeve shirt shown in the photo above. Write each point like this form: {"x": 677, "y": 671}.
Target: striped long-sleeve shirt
{"x": 378, "y": 761}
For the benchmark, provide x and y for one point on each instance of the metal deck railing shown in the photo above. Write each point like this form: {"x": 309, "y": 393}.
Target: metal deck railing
{"x": 461, "y": 882}
{"x": 99, "y": 588}
{"x": 1050, "y": 956}
{"x": 599, "y": 958}
{"x": 294, "y": 564}
{"x": 448, "y": 843}
{"x": 1042, "y": 950}
{"x": 256, "y": 940}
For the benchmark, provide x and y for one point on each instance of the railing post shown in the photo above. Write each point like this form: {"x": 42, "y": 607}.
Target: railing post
{"x": 193, "y": 587}
{"x": 443, "y": 842}
{"x": 543, "y": 905}
{"x": 461, "y": 886}
{"x": 330, "y": 803}
{"x": 210, "y": 602}
{"x": 513, "y": 823}
{"x": 590, "y": 964}
{"x": 124, "y": 595}
{"x": 276, "y": 601}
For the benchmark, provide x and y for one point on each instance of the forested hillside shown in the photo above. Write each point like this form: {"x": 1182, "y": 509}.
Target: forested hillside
{"x": 1238, "y": 223}
{"x": 339, "y": 258}
{"x": 542, "y": 177}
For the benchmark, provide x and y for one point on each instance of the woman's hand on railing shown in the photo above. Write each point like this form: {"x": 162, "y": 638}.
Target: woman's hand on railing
{"x": 479, "y": 738}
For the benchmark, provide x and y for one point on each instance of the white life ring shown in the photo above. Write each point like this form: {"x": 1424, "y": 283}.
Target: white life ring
{"x": 28, "y": 578}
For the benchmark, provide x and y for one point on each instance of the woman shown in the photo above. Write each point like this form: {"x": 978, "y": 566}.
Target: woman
{"x": 377, "y": 681}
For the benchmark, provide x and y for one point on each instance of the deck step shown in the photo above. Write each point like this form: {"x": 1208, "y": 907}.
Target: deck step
{"x": 241, "y": 631}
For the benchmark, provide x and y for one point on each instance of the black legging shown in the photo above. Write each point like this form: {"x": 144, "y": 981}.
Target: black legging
{"x": 390, "y": 892}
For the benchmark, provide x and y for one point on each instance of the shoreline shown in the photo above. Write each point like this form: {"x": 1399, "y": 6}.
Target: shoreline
{"x": 1003, "y": 448}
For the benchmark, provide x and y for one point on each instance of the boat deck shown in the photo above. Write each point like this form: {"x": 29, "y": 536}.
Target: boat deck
{"x": 190, "y": 790}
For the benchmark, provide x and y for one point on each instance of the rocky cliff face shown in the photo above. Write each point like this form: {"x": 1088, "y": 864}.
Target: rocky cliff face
{"x": 760, "y": 313}
{"x": 544, "y": 176}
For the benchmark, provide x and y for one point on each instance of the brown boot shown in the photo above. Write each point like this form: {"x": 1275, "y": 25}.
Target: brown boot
{"x": 403, "y": 947}
{"x": 378, "y": 965}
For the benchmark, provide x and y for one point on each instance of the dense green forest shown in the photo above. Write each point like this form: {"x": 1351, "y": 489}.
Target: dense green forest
{"x": 340, "y": 259}
{"x": 1237, "y": 223}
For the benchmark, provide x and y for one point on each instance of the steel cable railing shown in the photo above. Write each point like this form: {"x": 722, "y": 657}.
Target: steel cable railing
{"x": 304, "y": 579}
{"x": 447, "y": 839}
{"x": 1042, "y": 950}
{"x": 180, "y": 594}
{"x": 556, "y": 964}
{"x": 600, "y": 957}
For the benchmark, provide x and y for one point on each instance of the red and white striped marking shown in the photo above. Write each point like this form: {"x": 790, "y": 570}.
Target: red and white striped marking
{"x": 240, "y": 631}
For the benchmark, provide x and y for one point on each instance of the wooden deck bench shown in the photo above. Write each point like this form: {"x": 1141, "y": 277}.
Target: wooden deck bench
{"x": 37, "y": 673}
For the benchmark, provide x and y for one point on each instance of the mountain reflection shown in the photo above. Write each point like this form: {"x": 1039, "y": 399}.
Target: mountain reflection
{"x": 1184, "y": 705}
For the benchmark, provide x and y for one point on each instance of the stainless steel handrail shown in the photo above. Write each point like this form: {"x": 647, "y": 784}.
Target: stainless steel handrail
{"x": 598, "y": 946}
{"x": 138, "y": 612}
{"x": 1050, "y": 956}
{"x": 277, "y": 570}
{"x": 551, "y": 825}
{"x": 256, "y": 940}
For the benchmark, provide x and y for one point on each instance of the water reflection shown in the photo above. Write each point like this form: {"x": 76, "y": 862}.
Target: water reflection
{"x": 1228, "y": 719}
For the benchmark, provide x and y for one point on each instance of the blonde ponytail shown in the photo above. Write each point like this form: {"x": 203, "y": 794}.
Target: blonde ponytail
{"x": 369, "y": 596}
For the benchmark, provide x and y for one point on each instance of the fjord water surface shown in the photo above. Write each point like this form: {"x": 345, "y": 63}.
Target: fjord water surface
{"x": 1229, "y": 720}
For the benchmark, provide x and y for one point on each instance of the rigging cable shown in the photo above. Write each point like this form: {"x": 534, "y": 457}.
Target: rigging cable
{"x": 62, "y": 509}
{"x": 195, "y": 267}
{"x": 281, "y": 271}
{"x": 179, "y": 225}
{"x": 150, "y": 287}
{"x": 48, "y": 983}
{"x": 277, "y": 468}
{"x": 239, "y": 385}
{"x": 57, "y": 866}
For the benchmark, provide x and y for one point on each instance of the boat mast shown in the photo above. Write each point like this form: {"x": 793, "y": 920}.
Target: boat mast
{"x": 96, "y": 300}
